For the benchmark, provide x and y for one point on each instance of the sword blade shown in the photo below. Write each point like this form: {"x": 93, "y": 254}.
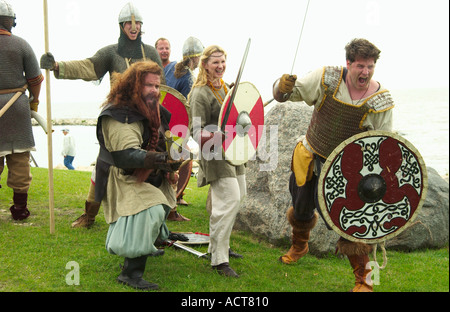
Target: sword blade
{"x": 236, "y": 85}
{"x": 41, "y": 121}
{"x": 169, "y": 139}
{"x": 300, "y": 37}
{"x": 190, "y": 250}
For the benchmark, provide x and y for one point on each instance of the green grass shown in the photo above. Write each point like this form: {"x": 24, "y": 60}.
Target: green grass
{"x": 32, "y": 259}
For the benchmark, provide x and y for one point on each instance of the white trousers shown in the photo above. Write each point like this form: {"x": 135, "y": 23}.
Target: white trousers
{"x": 226, "y": 196}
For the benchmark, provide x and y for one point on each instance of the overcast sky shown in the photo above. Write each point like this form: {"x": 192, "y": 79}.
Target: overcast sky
{"x": 412, "y": 35}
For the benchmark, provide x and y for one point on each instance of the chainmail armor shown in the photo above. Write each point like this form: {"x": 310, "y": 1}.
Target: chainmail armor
{"x": 335, "y": 121}
{"x": 19, "y": 66}
{"x": 105, "y": 60}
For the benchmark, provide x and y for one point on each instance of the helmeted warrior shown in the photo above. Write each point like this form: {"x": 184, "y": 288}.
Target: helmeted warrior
{"x": 179, "y": 75}
{"x": 19, "y": 71}
{"x": 114, "y": 58}
{"x": 346, "y": 101}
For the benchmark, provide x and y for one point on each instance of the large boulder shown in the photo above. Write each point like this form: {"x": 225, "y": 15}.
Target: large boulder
{"x": 263, "y": 211}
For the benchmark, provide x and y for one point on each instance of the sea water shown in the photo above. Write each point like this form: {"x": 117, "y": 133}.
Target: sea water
{"x": 421, "y": 116}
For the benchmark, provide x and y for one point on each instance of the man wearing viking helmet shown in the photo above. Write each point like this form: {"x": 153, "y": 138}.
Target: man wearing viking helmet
{"x": 114, "y": 58}
{"x": 179, "y": 74}
{"x": 346, "y": 101}
{"x": 19, "y": 71}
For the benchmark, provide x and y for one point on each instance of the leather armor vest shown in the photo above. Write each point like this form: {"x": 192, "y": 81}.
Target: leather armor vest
{"x": 334, "y": 121}
{"x": 105, "y": 159}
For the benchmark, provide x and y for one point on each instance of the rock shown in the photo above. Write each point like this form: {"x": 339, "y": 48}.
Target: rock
{"x": 79, "y": 168}
{"x": 263, "y": 211}
{"x": 70, "y": 121}
{"x": 85, "y": 168}
{"x": 431, "y": 228}
{"x": 60, "y": 167}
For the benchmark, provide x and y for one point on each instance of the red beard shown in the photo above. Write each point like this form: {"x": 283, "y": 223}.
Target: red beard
{"x": 150, "y": 109}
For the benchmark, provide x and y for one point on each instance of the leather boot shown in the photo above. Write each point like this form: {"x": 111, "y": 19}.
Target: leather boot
{"x": 87, "y": 219}
{"x": 234, "y": 254}
{"x": 225, "y": 270}
{"x": 358, "y": 255}
{"x": 174, "y": 215}
{"x": 19, "y": 210}
{"x": 132, "y": 272}
{"x": 300, "y": 237}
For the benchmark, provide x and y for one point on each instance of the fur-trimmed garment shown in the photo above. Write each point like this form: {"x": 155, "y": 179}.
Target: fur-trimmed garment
{"x": 300, "y": 236}
{"x": 349, "y": 248}
{"x": 301, "y": 226}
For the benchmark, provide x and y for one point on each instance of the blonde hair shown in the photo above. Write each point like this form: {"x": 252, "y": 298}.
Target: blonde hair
{"x": 202, "y": 78}
{"x": 181, "y": 68}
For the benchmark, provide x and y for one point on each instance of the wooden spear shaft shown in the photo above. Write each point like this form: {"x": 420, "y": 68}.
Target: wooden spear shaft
{"x": 51, "y": 203}
{"x": 11, "y": 101}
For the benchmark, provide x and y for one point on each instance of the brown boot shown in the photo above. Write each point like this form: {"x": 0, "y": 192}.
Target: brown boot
{"x": 358, "y": 255}
{"x": 225, "y": 270}
{"x": 300, "y": 237}
{"x": 87, "y": 219}
{"x": 174, "y": 215}
{"x": 181, "y": 201}
{"x": 19, "y": 210}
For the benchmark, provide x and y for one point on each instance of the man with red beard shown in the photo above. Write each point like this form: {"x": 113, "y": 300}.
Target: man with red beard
{"x": 132, "y": 168}
{"x": 346, "y": 101}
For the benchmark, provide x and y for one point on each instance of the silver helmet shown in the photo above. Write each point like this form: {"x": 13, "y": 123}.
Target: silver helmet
{"x": 192, "y": 47}
{"x": 6, "y": 9}
{"x": 130, "y": 13}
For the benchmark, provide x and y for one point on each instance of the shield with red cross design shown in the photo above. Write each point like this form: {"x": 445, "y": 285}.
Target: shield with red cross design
{"x": 245, "y": 124}
{"x": 372, "y": 186}
{"x": 175, "y": 103}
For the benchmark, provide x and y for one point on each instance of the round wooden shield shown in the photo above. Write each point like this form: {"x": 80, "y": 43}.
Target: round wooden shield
{"x": 372, "y": 186}
{"x": 176, "y": 104}
{"x": 195, "y": 239}
{"x": 245, "y": 124}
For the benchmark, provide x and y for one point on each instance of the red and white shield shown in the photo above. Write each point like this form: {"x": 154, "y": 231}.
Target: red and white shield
{"x": 175, "y": 103}
{"x": 372, "y": 186}
{"x": 245, "y": 124}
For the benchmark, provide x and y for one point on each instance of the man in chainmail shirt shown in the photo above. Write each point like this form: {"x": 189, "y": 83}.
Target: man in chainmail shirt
{"x": 346, "y": 100}
{"x": 114, "y": 58}
{"x": 19, "y": 71}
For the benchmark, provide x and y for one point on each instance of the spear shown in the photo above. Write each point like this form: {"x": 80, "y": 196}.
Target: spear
{"x": 51, "y": 202}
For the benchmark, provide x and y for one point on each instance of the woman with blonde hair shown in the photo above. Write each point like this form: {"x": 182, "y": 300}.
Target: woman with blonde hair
{"x": 227, "y": 182}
